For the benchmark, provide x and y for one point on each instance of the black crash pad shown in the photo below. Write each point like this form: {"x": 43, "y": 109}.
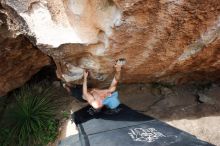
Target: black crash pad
{"x": 128, "y": 128}
{"x": 72, "y": 140}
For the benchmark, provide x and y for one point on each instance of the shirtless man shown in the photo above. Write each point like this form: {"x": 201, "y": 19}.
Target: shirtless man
{"x": 98, "y": 98}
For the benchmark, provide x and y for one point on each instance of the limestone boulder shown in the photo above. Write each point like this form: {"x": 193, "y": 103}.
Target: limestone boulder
{"x": 174, "y": 41}
{"x": 19, "y": 59}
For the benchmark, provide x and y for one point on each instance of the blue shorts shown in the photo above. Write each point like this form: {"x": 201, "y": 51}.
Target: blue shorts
{"x": 112, "y": 101}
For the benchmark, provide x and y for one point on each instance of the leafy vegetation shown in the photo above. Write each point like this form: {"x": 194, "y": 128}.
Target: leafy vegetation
{"x": 66, "y": 114}
{"x": 31, "y": 120}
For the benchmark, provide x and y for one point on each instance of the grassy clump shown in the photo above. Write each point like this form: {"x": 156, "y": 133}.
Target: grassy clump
{"x": 65, "y": 114}
{"x": 30, "y": 121}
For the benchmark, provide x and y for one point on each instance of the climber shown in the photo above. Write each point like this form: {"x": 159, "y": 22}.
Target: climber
{"x": 98, "y": 98}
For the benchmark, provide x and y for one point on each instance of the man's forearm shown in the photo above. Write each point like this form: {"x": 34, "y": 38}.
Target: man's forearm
{"x": 85, "y": 86}
{"x": 118, "y": 75}
{"x": 58, "y": 70}
{"x": 115, "y": 80}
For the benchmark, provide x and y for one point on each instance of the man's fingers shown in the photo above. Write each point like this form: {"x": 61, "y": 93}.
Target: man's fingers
{"x": 85, "y": 73}
{"x": 117, "y": 65}
{"x": 121, "y": 62}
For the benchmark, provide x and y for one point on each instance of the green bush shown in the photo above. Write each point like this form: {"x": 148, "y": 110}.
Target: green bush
{"x": 30, "y": 121}
{"x": 66, "y": 114}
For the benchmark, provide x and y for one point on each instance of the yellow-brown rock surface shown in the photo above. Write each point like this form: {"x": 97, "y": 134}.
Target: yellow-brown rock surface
{"x": 176, "y": 41}
{"x": 19, "y": 60}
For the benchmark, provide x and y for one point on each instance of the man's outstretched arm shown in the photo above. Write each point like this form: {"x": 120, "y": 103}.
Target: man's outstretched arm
{"x": 116, "y": 78}
{"x": 87, "y": 96}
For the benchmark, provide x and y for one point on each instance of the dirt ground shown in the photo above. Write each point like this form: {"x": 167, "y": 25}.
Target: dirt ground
{"x": 194, "y": 109}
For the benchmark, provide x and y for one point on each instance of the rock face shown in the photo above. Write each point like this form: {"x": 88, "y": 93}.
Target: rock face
{"x": 19, "y": 59}
{"x": 175, "y": 41}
